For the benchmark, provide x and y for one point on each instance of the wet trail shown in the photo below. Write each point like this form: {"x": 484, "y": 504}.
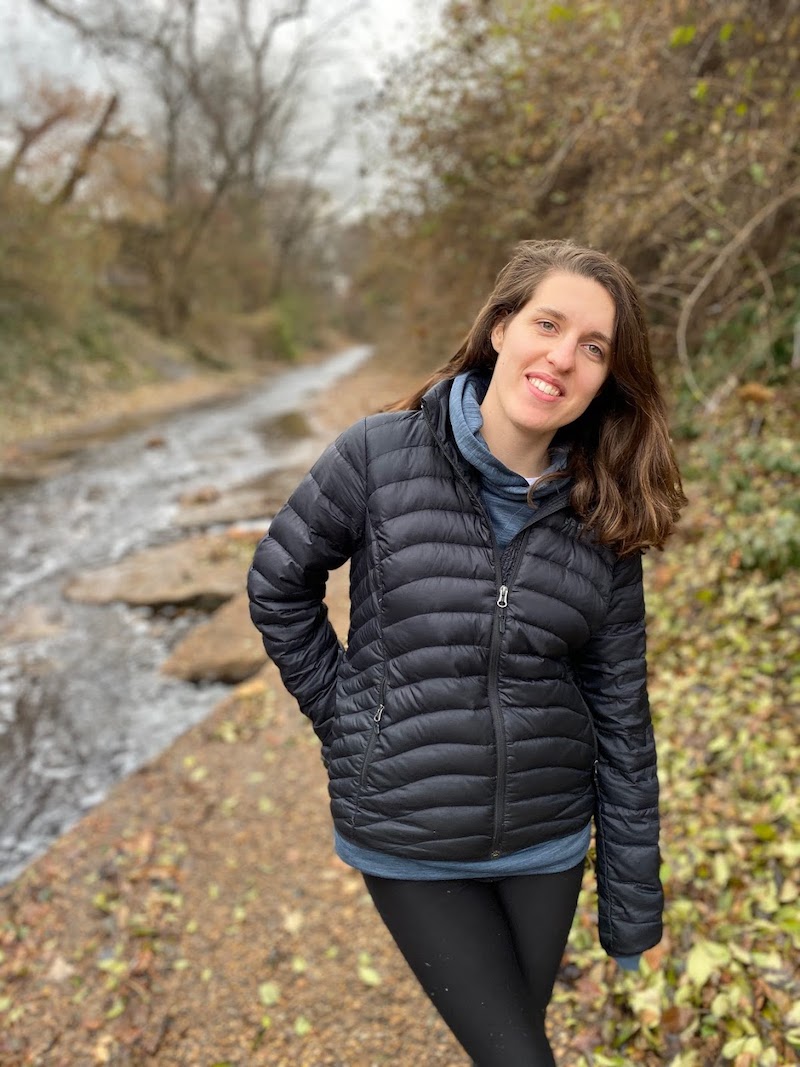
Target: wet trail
{"x": 82, "y": 700}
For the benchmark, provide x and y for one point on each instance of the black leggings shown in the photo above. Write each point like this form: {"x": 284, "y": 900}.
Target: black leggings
{"x": 486, "y": 952}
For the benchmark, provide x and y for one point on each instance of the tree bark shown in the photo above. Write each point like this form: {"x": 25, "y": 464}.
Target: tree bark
{"x": 88, "y": 149}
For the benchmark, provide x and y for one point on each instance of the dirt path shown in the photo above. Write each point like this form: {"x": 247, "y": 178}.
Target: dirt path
{"x": 199, "y": 916}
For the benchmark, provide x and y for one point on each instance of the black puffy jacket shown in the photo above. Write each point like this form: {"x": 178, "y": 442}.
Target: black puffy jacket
{"x": 483, "y": 704}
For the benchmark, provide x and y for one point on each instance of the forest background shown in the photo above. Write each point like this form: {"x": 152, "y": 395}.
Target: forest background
{"x": 190, "y": 235}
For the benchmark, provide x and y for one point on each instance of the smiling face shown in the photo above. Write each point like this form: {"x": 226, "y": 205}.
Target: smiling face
{"x": 553, "y": 356}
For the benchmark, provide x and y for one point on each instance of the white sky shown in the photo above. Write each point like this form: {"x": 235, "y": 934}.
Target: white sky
{"x": 34, "y": 46}
{"x": 32, "y": 41}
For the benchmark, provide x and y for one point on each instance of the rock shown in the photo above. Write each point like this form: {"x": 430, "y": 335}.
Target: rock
{"x": 201, "y": 571}
{"x": 290, "y": 426}
{"x": 259, "y": 498}
{"x": 206, "y": 494}
{"x": 337, "y": 597}
{"x": 227, "y": 648}
{"x": 20, "y": 466}
{"x": 31, "y": 623}
{"x": 13, "y": 478}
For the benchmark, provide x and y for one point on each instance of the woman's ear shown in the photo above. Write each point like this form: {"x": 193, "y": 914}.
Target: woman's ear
{"x": 497, "y": 334}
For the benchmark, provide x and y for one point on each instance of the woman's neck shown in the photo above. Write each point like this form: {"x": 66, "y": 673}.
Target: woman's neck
{"x": 529, "y": 457}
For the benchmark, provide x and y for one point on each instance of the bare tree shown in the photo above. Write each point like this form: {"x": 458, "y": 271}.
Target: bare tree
{"x": 80, "y": 167}
{"x": 227, "y": 80}
{"x": 28, "y": 134}
{"x": 56, "y": 131}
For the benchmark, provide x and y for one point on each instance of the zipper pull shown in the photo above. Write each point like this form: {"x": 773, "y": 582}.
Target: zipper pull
{"x": 376, "y": 718}
{"x": 502, "y": 603}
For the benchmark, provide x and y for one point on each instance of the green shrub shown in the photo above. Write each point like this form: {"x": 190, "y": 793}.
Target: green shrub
{"x": 751, "y": 504}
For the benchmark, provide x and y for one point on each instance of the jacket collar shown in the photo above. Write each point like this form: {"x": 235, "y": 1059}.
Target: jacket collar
{"x": 436, "y": 409}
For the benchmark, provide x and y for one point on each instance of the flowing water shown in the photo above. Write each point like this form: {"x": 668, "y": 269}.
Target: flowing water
{"x": 82, "y": 700}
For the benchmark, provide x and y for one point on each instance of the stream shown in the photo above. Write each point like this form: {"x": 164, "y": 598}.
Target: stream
{"x": 82, "y": 699}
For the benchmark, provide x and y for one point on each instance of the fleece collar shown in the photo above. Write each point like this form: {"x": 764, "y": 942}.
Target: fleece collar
{"x": 466, "y": 396}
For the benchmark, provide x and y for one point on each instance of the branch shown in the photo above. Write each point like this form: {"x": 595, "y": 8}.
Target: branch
{"x": 730, "y": 249}
{"x": 29, "y": 135}
{"x": 63, "y": 15}
{"x": 299, "y": 218}
{"x": 259, "y": 47}
{"x": 758, "y": 263}
{"x": 87, "y": 152}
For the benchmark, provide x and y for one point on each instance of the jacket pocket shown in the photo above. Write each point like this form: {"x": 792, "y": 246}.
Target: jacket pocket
{"x": 596, "y": 758}
{"x": 375, "y": 730}
{"x": 590, "y": 718}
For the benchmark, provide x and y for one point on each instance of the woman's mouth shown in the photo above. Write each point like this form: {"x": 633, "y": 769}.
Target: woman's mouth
{"x": 545, "y": 388}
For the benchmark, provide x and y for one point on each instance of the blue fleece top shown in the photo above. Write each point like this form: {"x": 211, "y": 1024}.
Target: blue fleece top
{"x": 504, "y": 492}
{"x": 505, "y": 495}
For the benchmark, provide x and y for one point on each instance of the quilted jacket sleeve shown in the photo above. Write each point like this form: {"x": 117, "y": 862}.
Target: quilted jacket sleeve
{"x": 316, "y": 531}
{"x": 612, "y": 675}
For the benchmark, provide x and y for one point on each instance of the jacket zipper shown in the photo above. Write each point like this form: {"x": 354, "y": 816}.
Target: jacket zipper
{"x": 593, "y": 728}
{"x": 498, "y": 629}
{"x": 373, "y": 737}
{"x": 555, "y": 503}
{"x": 596, "y": 750}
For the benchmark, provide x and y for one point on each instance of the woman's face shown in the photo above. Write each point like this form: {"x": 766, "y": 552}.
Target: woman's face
{"x": 552, "y": 359}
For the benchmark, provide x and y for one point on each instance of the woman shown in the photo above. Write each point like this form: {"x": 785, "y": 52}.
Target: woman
{"x": 492, "y": 696}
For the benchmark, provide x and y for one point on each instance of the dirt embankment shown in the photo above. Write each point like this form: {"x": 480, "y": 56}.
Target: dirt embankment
{"x": 46, "y": 419}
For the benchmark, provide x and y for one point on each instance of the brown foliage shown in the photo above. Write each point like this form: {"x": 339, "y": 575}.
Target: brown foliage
{"x": 665, "y": 134}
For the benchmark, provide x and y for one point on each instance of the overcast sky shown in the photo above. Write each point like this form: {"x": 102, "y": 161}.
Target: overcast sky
{"x": 32, "y": 42}
{"x": 33, "y": 46}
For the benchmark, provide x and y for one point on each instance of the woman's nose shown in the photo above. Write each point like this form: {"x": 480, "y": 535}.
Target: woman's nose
{"x": 562, "y": 354}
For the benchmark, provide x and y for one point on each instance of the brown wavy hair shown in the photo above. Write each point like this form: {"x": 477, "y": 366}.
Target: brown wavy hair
{"x": 626, "y": 484}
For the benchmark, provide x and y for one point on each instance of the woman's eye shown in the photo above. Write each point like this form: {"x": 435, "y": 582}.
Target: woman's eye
{"x": 547, "y": 325}
{"x": 596, "y": 351}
